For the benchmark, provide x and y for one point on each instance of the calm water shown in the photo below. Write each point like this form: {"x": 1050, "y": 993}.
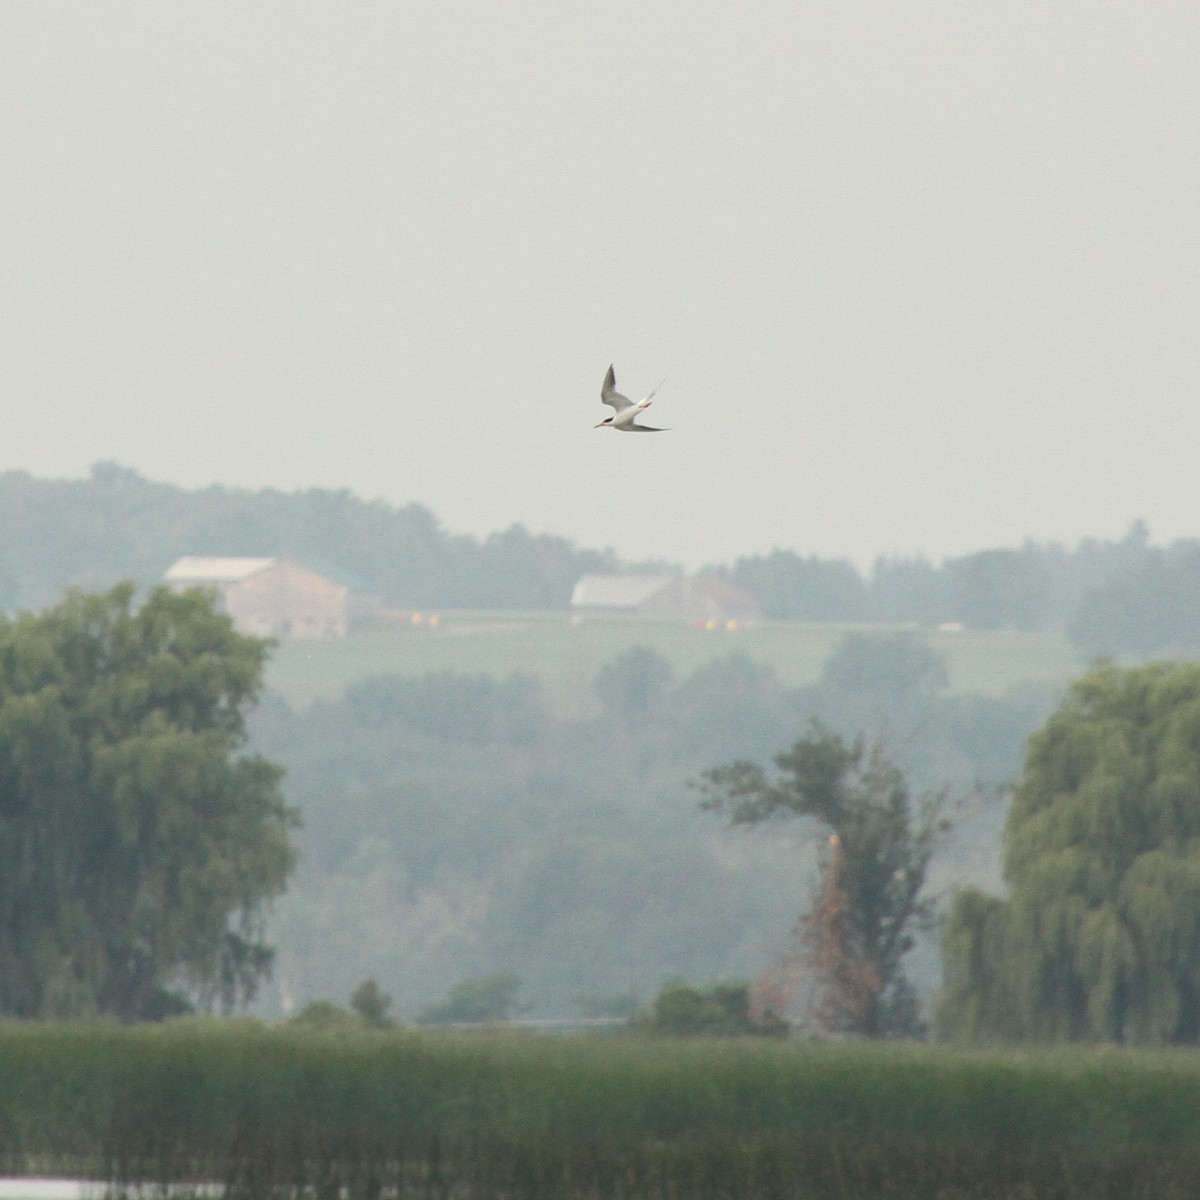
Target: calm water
{"x": 46, "y": 1189}
{"x": 58, "y": 1189}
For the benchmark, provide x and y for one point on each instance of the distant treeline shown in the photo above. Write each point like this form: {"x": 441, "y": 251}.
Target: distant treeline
{"x": 1110, "y": 596}
{"x": 114, "y": 525}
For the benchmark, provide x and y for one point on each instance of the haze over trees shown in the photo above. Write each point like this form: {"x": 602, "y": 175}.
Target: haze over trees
{"x": 457, "y": 826}
{"x": 460, "y": 826}
{"x": 1110, "y": 596}
{"x": 1099, "y": 939}
{"x": 139, "y": 847}
{"x": 118, "y": 525}
{"x": 1030, "y": 588}
{"x": 1151, "y": 609}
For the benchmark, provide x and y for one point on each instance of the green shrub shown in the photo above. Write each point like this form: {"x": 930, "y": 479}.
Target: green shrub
{"x": 722, "y": 1010}
{"x": 323, "y": 1014}
{"x": 372, "y": 1004}
{"x": 475, "y": 1001}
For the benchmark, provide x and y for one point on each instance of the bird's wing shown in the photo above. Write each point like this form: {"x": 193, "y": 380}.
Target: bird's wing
{"x": 610, "y": 396}
{"x": 634, "y": 427}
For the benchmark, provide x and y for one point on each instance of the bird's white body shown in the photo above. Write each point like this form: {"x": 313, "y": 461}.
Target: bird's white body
{"x": 625, "y": 411}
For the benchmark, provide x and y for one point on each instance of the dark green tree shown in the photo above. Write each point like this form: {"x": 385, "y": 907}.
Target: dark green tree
{"x": 726, "y": 707}
{"x": 807, "y": 589}
{"x": 894, "y": 669}
{"x": 1150, "y": 609}
{"x": 1099, "y": 939}
{"x": 722, "y": 1010}
{"x": 372, "y": 1004}
{"x": 909, "y": 589}
{"x": 492, "y": 998}
{"x": 633, "y": 685}
{"x": 138, "y": 848}
{"x": 886, "y": 840}
{"x": 324, "y": 1014}
{"x": 1002, "y": 589}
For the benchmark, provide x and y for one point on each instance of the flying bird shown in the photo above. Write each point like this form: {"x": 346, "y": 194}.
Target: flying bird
{"x": 625, "y": 412}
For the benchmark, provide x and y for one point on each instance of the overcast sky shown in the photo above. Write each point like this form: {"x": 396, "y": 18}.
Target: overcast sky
{"x": 922, "y": 276}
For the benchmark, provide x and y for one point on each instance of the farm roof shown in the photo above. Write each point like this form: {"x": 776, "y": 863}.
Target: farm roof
{"x": 204, "y": 569}
{"x": 616, "y": 591}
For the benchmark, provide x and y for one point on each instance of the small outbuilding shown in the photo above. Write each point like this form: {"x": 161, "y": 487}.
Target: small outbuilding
{"x": 268, "y": 597}
{"x": 689, "y": 597}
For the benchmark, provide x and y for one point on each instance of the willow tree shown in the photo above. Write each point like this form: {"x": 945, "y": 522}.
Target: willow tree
{"x": 139, "y": 844}
{"x": 1099, "y": 938}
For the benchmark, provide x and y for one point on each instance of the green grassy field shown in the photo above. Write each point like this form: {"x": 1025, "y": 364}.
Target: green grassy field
{"x": 285, "y": 1111}
{"x": 567, "y": 656}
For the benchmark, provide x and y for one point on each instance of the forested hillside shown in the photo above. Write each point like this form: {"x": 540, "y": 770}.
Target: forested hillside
{"x": 457, "y": 825}
{"x": 472, "y": 820}
{"x": 118, "y": 525}
{"x": 1110, "y": 596}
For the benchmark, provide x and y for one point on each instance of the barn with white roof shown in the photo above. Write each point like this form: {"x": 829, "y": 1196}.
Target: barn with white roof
{"x": 267, "y": 597}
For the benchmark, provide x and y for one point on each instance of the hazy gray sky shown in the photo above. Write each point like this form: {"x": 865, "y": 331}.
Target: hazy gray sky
{"x": 922, "y": 276}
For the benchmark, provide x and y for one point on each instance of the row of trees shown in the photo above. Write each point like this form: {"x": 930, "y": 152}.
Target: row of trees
{"x": 141, "y": 844}
{"x": 461, "y": 826}
{"x": 1110, "y": 596}
{"x": 1099, "y": 937}
{"x": 118, "y": 525}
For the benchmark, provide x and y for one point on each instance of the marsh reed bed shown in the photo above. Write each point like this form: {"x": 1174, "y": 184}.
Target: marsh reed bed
{"x": 251, "y": 1110}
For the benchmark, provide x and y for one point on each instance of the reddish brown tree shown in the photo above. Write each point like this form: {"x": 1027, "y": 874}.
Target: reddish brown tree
{"x": 847, "y": 953}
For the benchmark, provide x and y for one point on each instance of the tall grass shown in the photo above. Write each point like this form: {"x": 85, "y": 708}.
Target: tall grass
{"x": 283, "y": 1111}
